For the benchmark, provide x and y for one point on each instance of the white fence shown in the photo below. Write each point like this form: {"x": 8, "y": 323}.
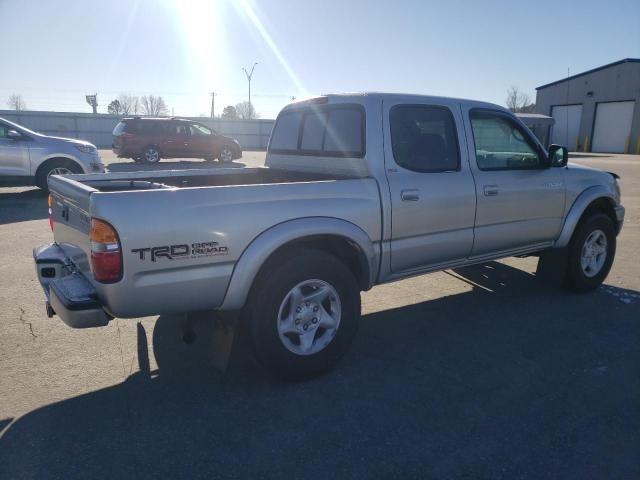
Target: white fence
{"x": 252, "y": 134}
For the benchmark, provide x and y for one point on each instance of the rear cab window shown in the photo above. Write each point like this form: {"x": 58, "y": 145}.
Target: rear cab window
{"x": 336, "y": 130}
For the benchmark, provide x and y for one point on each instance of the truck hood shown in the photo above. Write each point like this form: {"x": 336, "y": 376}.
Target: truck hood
{"x": 74, "y": 141}
{"x": 583, "y": 170}
{"x": 580, "y": 177}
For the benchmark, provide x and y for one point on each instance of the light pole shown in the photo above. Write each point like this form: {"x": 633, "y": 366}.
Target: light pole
{"x": 249, "y": 75}
{"x": 213, "y": 104}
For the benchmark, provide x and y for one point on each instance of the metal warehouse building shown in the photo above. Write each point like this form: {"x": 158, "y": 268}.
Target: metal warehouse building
{"x": 597, "y": 110}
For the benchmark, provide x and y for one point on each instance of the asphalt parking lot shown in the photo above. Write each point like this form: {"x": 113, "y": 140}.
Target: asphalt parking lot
{"x": 479, "y": 372}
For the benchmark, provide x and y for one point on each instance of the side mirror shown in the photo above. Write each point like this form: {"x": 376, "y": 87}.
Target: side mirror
{"x": 558, "y": 156}
{"x": 13, "y": 135}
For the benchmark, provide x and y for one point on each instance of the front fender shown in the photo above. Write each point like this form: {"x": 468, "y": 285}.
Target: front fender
{"x": 264, "y": 245}
{"x": 54, "y": 156}
{"x": 577, "y": 209}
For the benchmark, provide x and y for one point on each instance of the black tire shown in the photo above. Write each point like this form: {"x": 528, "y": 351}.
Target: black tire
{"x": 225, "y": 155}
{"x": 273, "y": 285}
{"x": 151, "y": 154}
{"x": 49, "y": 168}
{"x": 577, "y": 278}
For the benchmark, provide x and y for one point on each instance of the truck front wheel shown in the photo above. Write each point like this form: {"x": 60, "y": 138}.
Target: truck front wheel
{"x": 303, "y": 313}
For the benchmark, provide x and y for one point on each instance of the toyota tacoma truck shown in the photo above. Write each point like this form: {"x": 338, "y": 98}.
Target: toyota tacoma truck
{"x": 357, "y": 190}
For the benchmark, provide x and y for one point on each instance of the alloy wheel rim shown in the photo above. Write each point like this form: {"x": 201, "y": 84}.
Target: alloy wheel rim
{"x": 309, "y": 317}
{"x": 59, "y": 171}
{"x": 594, "y": 253}
{"x": 225, "y": 155}
{"x": 151, "y": 155}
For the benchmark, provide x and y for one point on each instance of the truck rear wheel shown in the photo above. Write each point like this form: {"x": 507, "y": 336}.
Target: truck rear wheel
{"x": 591, "y": 252}
{"x": 303, "y": 313}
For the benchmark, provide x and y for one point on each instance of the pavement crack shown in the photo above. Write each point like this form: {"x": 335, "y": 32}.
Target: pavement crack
{"x": 24, "y": 322}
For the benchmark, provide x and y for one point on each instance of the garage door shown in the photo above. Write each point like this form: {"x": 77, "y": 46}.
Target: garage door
{"x": 566, "y": 128}
{"x": 612, "y": 127}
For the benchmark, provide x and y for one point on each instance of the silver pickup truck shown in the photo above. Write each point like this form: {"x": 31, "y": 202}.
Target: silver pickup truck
{"x": 357, "y": 190}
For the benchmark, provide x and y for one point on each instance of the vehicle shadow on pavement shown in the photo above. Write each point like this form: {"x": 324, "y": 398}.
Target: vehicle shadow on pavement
{"x": 511, "y": 379}
{"x": 169, "y": 165}
{"x": 23, "y": 206}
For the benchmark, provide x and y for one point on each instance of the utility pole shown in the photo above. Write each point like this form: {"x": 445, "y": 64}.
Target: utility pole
{"x": 249, "y": 75}
{"x": 213, "y": 105}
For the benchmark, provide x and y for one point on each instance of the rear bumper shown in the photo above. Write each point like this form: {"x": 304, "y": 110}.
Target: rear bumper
{"x": 119, "y": 150}
{"x": 68, "y": 293}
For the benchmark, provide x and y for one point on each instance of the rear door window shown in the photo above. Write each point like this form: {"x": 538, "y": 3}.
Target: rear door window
{"x": 423, "y": 138}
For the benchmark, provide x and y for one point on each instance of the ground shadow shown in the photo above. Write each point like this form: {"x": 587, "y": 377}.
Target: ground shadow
{"x": 171, "y": 165}
{"x": 508, "y": 380}
{"x": 23, "y": 206}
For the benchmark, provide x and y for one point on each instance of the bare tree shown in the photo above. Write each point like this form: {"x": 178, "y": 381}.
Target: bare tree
{"x": 129, "y": 104}
{"x": 16, "y": 102}
{"x": 153, "y": 105}
{"x": 246, "y": 111}
{"x": 516, "y": 100}
{"x": 114, "y": 108}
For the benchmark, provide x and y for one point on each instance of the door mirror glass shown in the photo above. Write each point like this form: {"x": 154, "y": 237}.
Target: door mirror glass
{"x": 14, "y": 135}
{"x": 558, "y": 156}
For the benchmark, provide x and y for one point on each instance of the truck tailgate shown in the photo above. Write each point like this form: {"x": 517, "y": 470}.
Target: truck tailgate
{"x": 70, "y": 214}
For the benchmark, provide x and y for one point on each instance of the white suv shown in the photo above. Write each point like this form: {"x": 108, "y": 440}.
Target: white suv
{"x": 28, "y": 158}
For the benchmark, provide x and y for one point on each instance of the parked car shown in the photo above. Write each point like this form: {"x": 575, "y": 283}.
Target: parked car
{"x": 150, "y": 139}
{"x": 358, "y": 190}
{"x": 29, "y": 158}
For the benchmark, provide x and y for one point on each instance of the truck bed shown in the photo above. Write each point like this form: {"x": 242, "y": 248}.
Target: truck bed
{"x": 114, "y": 182}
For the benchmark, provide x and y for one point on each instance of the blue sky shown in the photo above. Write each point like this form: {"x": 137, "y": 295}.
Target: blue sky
{"x": 56, "y": 51}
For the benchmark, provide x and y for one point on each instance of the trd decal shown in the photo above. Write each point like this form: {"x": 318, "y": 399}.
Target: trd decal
{"x": 182, "y": 251}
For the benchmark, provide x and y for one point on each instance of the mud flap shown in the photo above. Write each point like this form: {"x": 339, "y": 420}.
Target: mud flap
{"x": 553, "y": 266}
{"x": 195, "y": 340}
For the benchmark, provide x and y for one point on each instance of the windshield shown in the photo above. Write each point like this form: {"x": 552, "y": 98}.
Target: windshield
{"x": 20, "y": 128}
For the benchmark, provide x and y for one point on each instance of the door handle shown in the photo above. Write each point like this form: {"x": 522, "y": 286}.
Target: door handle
{"x": 410, "y": 195}
{"x": 490, "y": 190}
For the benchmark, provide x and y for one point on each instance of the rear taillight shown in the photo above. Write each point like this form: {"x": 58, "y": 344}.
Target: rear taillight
{"x": 106, "y": 254}
{"x": 50, "y": 202}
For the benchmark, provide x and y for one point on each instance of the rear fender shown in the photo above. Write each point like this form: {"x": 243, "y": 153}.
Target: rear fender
{"x": 263, "y": 246}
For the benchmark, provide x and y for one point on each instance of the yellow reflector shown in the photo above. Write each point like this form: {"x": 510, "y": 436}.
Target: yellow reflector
{"x": 102, "y": 232}
{"x": 50, "y": 200}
